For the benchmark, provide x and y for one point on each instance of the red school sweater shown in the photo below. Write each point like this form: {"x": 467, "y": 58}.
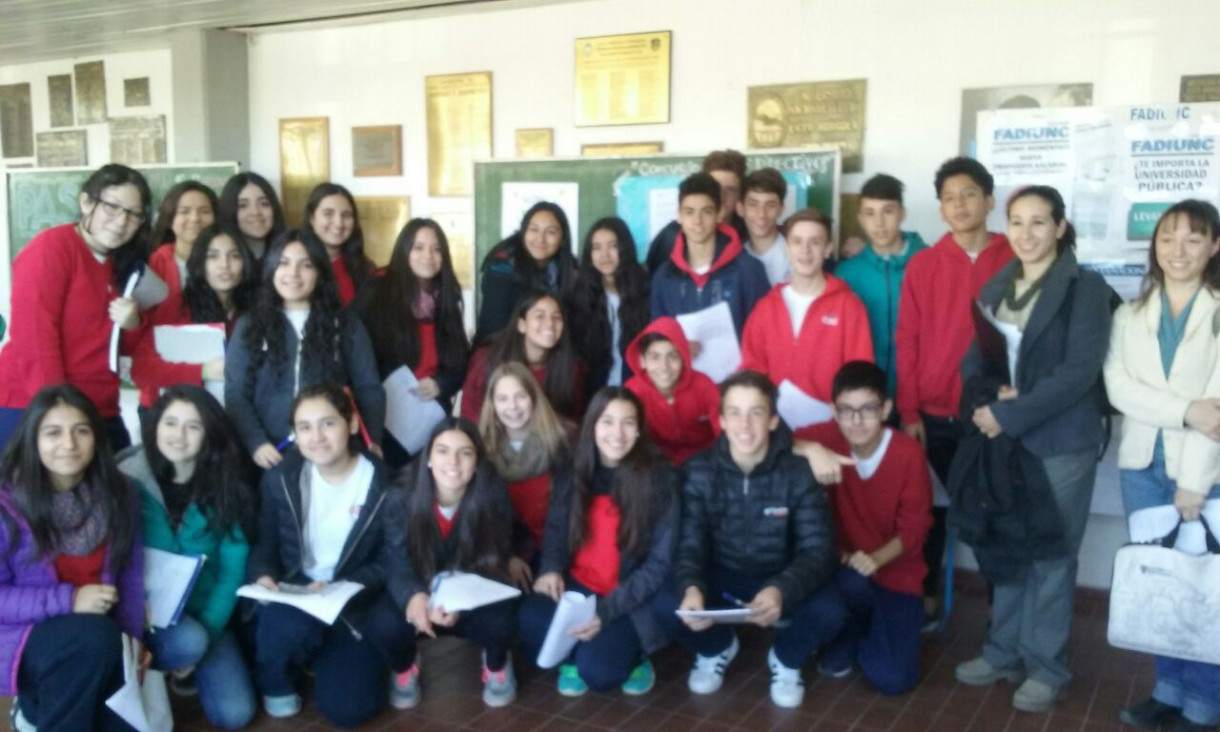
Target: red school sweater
{"x": 596, "y": 564}
{"x": 935, "y": 326}
{"x": 429, "y": 360}
{"x": 165, "y": 264}
{"x": 343, "y": 281}
{"x": 895, "y": 501}
{"x": 152, "y": 373}
{"x": 531, "y": 498}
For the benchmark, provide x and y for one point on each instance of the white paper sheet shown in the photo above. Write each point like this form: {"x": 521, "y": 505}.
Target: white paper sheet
{"x": 115, "y": 331}
{"x": 144, "y": 706}
{"x": 197, "y": 343}
{"x": 720, "y": 353}
{"x": 168, "y": 579}
{"x": 799, "y": 409}
{"x": 573, "y": 610}
{"x": 731, "y": 616}
{"x": 407, "y": 417}
{"x": 662, "y": 209}
{"x": 458, "y": 592}
{"x": 324, "y": 604}
{"x": 1150, "y": 524}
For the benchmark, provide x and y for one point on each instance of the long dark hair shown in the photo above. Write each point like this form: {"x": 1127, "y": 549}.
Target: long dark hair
{"x": 126, "y": 258}
{"x": 391, "y": 315}
{"x": 353, "y": 249}
{"x": 482, "y": 526}
{"x": 163, "y": 229}
{"x": 561, "y": 362}
{"x": 198, "y": 297}
{"x": 334, "y": 395}
{"x": 268, "y": 324}
{"x": 1204, "y": 219}
{"x": 588, "y": 301}
{"x": 221, "y": 483}
{"x": 1053, "y": 199}
{"x": 32, "y": 490}
{"x": 229, "y": 204}
{"x": 528, "y": 272}
{"x": 637, "y": 492}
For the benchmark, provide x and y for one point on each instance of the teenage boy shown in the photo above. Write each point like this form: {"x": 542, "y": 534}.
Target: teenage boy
{"x": 728, "y": 167}
{"x": 882, "y": 511}
{"x": 875, "y": 274}
{"x": 803, "y": 331}
{"x": 761, "y": 205}
{"x": 681, "y": 405}
{"x": 756, "y": 534}
{"x": 706, "y": 265}
{"x": 935, "y": 327}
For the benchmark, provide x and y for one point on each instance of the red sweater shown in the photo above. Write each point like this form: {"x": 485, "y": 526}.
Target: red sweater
{"x": 596, "y": 563}
{"x": 343, "y": 281}
{"x": 691, "y": 421}
{"x": 60, "y": 326}
{"x": 531, "y": 498}
{"x": 474, "y": 389}
{"x": 83, "y": 570}
{"x": 152, "y": 373}
{"x": 895, "y": 501}
{"x": 165, "y": 264}
{"x": 429, "y": 361}
{"x": 935, "y": 326}
{"x": 835, "y": 331}
{"x": 443, "y": 525}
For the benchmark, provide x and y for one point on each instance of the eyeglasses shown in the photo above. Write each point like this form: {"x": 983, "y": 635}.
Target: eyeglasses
{"x": 113, "y": 210}
{"x": 867, "y": 413}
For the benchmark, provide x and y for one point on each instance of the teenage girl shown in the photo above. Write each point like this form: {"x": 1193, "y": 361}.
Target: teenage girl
{"x": 187, "y": 209}
{"x": 248, "y": 203}
{"x": 331, "y": 214}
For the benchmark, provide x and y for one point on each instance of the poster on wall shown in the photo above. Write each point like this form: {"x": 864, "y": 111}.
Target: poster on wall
{"x": 304, "y": 162}
{"x": 1200, "y": 88}
{"x": 459, "y": 130}
{"x": 810, "y": 114}
{"x": 377, "y": 151}
{"x": 59, "y": 95}
{"x": 381, "y": 218}
{"x": 623, "y": 80}
{"x": 137, "y": 140}
{"x": 535, "y": 142}
{"x": 63, "y": 149}
{"x": 90, "y": 93}
{"x": 1031, "y": 96}
{"x": 136, "y": 93}
{"x": 16, "y": 121}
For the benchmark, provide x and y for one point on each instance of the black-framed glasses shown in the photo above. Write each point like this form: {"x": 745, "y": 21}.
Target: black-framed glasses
{"x": 866, "y": 413}
{"x": 114, "y": 210}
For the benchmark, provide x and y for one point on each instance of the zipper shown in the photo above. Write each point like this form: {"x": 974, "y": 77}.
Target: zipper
{"x": 352, "y": 547}
{"x": 296, "y": 522}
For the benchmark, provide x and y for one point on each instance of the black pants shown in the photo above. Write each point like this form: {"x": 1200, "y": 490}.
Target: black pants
{"x": 943, "y": 434}
{"x": 493, "y": 627}
{"x": 69, "y": 668}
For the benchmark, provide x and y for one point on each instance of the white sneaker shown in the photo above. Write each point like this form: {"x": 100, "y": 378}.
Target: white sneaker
{"x": 787, "y": 688}
{"x": 708, "y": 673}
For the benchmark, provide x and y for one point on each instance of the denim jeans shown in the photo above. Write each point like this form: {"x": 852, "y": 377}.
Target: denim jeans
{"x": 226, "y": 692}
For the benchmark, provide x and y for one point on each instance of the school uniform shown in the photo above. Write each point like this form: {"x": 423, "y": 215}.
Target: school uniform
{"x": 344, "y": 284}
{"x": 501, "y": 286}
{"x": 152, "y": 373}
{"x": 663, "y": 243}
{"x": 474, "y": 389}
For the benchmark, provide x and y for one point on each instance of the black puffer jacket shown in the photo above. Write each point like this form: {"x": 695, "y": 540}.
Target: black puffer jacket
{"x": 773, "y": 523}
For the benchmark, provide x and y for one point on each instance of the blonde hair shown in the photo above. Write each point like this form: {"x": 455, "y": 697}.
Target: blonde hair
{"x": 543, "y": 421}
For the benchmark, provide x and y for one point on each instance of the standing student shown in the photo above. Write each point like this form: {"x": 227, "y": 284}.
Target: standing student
{"x": 414, "y": 317}
{"x": 1055, "y": 318}
{"x": 681, "y": 405}
{"x": 761, "y": 205}
{"x": 728, "y": 167}
{"x": 609, "y": 300}
{"x": 756, "y": 533}
{"x": 248, "y": 203}
{"x": 331, "y": 214}
{"x": 67, "y": 298}
{"x": 295, "y": 336}
{"x": 196, "y": 500}
{"x": 187, "y": 209}
{"x": 542, "y": 343}
{"x": 882, "y": 509}
{"x": 527, "y": 445}
{"x": 71, "y": 566}
{"x": 1161, "y": 374}
{"x": 452, "y": 516}
{"x": 218, "y": 287}
{"x": 802, "y": 332}
{"x": 875, "y": 274}
{"x": 611, "y": 531}
{"x": 935, "y": 328}
{"x": 706, "y": 265}
{"x": 538, "y": 256}
{"x": 319, "y": 523}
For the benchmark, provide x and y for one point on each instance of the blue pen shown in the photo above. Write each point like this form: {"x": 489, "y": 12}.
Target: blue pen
{"x": 285, "y": 443}
{"x": 733, "y": 600}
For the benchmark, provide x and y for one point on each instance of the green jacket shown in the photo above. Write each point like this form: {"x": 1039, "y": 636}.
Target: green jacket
{"x": 215, "y": 593}
{"x": 877, "y": 281}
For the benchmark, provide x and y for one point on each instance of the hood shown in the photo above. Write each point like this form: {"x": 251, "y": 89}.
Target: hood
{"x": 947, "y": 244}
{"x": 133, "y": 462}
{"x": 728, "y": 246}
{"x": 669, "y": 328}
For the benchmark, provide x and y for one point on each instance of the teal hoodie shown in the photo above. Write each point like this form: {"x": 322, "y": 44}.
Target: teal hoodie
{"x": 877, "y": 281}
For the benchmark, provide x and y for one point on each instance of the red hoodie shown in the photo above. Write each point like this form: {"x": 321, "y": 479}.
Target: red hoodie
{"x": 935, "y": 326}
{"x": 730, "y": 251}
{"x": 835, "y": 330}
{"x": 688, "y": 423}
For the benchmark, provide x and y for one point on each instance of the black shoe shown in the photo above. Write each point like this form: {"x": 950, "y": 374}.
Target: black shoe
{"x": 1148, "y": 713}
{"x": 1181, "y": 724}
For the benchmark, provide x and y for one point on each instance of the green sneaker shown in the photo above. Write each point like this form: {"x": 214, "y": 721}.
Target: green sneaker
{"x": 570, "y": 683}
{"x": 641, "y": 680}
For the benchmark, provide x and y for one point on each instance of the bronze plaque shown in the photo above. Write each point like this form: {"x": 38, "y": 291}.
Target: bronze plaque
{"x": 618, "y": 149}
{"x": 59, "y": 92}
{"x": 90, "y": 93}
{"x": 381, "y": 218}
{"x": 16, "y": 121}
{"x": 135, "y": 92}
{"x": 535, "y": 142}
{"x": 459, "y": 130}
{"x": 623, "y": 80}
{"x": 137, "y": 140}
{"x": 809, "y": 114}
{"x": 1201, "y": 88}
{"x": 63, "y": 149}
{"x": 377, "y": 150}
{"x": 304, "y": 162}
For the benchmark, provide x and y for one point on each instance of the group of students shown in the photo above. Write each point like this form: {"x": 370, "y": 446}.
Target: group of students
{"x": 592, "y": 458}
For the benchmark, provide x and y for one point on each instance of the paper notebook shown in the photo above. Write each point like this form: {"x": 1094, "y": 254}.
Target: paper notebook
{"x": 168, "y": 581}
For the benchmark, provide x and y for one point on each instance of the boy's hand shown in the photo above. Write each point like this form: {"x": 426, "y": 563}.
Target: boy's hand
{"x": 916, "y": 430}
{"x": 863, "y": 563}
{"x": 827, "y": 464}
{"x": 692, "y": 601}
{"x": 766, "y": 606}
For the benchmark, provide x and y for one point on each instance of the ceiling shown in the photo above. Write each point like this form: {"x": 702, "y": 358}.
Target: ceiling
{"x": 33, "y": 30}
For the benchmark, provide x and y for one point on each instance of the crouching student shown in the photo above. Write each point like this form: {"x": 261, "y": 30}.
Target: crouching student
{"x": 882, "y": 511}
{"x": 453, "y": 517}
{"x": 319, "y": 523}
{"x": 756, "y": 532}
{"x": 610, "y": 532}
{"x": 196, "y": 500}
{"x": 681, "y": 405}
{"x": 71, "y": 568}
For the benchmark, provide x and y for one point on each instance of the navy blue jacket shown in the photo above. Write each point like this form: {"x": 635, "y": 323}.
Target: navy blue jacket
{"x": 735, "y": 278}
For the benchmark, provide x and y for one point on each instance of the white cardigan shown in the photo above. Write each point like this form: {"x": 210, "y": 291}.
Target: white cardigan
{"x": 1137, "y": 387}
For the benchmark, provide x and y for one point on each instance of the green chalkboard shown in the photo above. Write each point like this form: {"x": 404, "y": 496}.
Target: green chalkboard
{"x": 39, "y": 199}
{"x": 638, "y": 189}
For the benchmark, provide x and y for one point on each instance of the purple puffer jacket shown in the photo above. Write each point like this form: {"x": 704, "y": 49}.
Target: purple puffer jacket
{"x": 30, "y": 590}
